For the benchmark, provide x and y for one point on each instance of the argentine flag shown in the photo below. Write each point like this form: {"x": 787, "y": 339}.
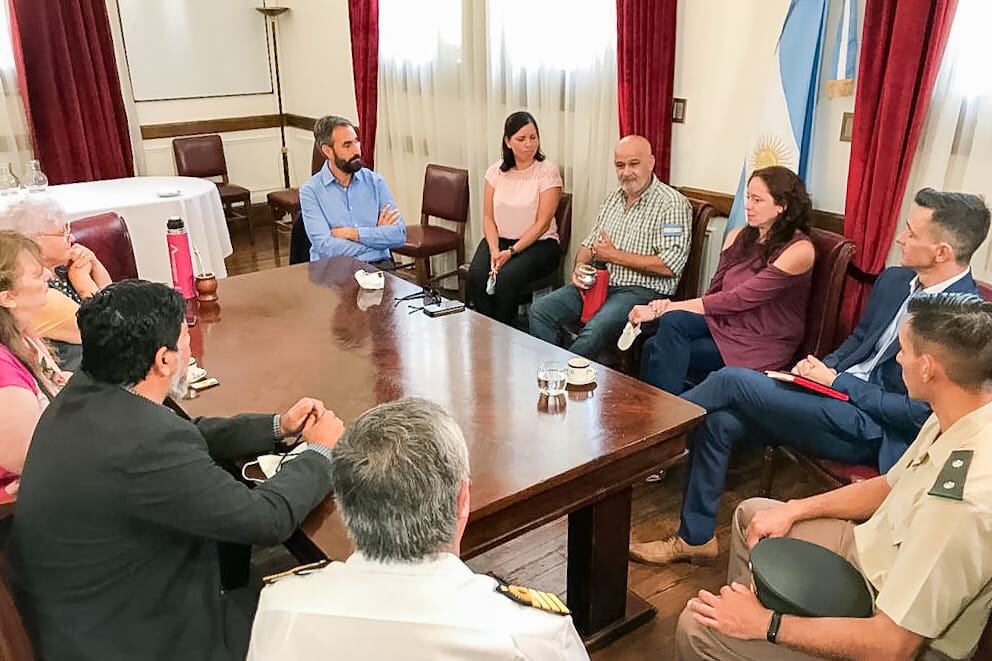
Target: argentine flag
{"x": 784, "y": 133}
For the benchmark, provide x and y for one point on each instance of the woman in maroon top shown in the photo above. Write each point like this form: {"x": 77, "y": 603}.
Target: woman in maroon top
{"x": 754, "y": 313}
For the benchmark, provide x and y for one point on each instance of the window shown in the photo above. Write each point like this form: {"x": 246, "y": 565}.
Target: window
{"x": 418, "y": 32}
{"x": 970, "y": 48}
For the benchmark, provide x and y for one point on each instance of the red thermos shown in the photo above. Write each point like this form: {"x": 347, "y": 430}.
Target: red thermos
{"x": 179, "y": 257}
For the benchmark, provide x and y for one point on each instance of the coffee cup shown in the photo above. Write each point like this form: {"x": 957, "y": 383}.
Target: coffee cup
{"x": 580, "y": 371}
{"x": 586, "y": 275}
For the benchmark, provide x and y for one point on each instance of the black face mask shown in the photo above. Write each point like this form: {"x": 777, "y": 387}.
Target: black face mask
{"x": 350, "y": 166}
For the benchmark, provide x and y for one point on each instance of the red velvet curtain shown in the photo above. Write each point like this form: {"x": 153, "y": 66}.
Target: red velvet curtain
{"x": 73, "y": 93}
{"x": 364, "y": 18}
{"x": 901, "y": 48}
{"x": 646, "y": 74}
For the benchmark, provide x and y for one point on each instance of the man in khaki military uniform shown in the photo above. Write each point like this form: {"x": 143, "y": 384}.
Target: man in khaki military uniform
{"x": 924, "y": 544}
{"x": 400, "y": 476}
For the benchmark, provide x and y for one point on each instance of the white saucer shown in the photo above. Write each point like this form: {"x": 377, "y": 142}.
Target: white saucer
{"x": 169, "y": 192}
{"x": 585, "y": 382}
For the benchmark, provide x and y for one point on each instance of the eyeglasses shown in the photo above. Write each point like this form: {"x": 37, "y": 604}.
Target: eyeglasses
{"x": 64, "y": 234}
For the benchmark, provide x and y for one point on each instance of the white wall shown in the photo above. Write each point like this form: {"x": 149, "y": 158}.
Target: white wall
{"x": 722, "y": 46}
{"x": 315, "y": 62}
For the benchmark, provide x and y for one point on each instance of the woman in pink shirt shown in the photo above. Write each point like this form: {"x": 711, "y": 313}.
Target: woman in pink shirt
{"x": 521, "y": 236}
{"x": 29, "y": 375}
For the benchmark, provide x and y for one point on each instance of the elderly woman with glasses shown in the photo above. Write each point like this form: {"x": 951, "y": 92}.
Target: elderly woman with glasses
{"x": 76, "y": 272}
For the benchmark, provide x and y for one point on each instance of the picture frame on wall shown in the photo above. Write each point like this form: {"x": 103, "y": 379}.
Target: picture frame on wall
{"x": 847, "y": 127}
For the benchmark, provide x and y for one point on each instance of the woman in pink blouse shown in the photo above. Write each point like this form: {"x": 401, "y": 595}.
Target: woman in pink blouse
{"x": 29, "y": 375}
{"x": 521, "y": 236}
{"x": 754, "y": 313}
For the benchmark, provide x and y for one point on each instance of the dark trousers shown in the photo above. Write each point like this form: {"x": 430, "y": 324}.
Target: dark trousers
{"x": 682, "y": 345}
{"x": 746, "y": 406}
{"x": 540, "y": 259}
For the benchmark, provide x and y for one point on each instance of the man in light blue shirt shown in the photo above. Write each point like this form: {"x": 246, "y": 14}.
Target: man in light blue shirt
{"x": 347, "y": 208}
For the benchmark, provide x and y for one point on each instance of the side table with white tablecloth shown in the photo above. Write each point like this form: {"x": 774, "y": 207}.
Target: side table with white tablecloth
{"x": 146, "y": 203}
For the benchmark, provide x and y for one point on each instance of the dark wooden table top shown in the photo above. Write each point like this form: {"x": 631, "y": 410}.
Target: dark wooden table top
{"x": 308, "y": 330}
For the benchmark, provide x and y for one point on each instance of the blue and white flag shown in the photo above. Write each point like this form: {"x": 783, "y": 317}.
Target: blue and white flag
{"x": 842, "y": 68}
{"x": 784, "y": 133}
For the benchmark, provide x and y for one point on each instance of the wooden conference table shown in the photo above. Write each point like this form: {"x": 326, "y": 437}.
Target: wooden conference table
{"x": 308, "y": 330}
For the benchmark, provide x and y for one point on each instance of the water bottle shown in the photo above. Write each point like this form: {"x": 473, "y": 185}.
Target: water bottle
{"x": 34, "y": 179}
{"x": 179, "y": 257}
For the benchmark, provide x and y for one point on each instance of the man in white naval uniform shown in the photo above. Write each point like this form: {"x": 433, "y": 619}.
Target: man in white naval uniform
{"x": 400, "y": 475}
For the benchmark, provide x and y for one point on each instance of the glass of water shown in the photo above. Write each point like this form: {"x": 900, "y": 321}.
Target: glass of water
{"x": 551, "y": 378}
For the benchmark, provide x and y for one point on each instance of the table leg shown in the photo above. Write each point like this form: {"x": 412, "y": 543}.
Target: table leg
{"x": 598, "y": 538}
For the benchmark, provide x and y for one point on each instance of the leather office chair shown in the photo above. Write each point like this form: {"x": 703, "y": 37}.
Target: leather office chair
{"x": 553, "y": 280}
{"x": 203, "y": 156}
{"x": 14, "y": 641}
{"x": 445, "y": 197}
{"x": 107, "y": 236}
{"x": 287, "y": 202}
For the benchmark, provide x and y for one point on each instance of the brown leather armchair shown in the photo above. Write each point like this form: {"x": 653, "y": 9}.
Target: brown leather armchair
{"x": 203, "y": 156}
{"x": 287, "y": 201}
{"x": 107, "y": 236}
{"x": 445, "y": 197}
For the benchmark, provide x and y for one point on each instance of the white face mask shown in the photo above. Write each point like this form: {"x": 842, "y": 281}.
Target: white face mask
{"x": 180, "y": 383}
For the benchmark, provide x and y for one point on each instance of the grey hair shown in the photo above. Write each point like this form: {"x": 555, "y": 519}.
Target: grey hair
{"x": 33, "y": 216}
{"x": 396, "y": 473}
{"x": 323, "y": 128}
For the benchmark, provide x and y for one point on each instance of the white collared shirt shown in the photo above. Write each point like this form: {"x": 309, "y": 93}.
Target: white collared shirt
{"x": 863, "y": 369}
{"x": 436, "y": 609}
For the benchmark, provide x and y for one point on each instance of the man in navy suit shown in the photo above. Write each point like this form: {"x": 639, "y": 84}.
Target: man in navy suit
{"x": 878, "y": 423}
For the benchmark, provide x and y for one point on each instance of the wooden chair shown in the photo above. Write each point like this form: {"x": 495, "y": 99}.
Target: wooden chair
{"x": 107, "y": 236}
{"x": 445, "y": 197}
{"x": 203, "y": 156}
{"x": 563, "y": 216}
{"x": 287, "y": 202}
{"x": 14, "y": 642}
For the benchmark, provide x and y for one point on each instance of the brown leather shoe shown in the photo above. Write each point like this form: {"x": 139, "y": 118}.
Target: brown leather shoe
{"x": 673, "y": 549}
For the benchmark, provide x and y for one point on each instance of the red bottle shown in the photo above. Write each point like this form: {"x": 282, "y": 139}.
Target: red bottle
{"x": 179, "y": 257}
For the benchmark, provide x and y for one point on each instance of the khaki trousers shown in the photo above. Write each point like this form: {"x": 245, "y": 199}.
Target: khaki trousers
{"x": 696, "y": 641}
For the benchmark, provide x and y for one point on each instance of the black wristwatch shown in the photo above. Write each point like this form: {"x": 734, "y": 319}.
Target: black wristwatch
{"x": 512, "y": 251}
{"x": 773, "y": 626}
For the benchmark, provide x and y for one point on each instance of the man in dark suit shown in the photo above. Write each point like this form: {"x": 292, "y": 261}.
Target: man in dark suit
{"x": 878, "y": 423}
{"x": 113, "y": 552}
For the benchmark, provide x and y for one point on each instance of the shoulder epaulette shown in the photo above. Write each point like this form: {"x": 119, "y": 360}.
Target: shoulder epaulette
{"x": 545, "y": 601}
{"x": 302, "y": 570}
{"x": 950, "y": 482}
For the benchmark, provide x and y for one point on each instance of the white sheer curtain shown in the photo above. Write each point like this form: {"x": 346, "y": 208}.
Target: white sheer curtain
{"x": 955, "y": 151}
{"x": 450, "y": 71}
{"x": 15, "y": 143}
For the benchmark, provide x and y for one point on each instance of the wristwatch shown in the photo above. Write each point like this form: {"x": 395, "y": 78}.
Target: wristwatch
{"x": 773, "y": 626}
{"x": 512, "y": 251}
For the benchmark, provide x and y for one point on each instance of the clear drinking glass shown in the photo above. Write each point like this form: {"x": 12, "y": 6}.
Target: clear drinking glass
{"x": 9, "y": 186}
{"x": 551, "y": 378}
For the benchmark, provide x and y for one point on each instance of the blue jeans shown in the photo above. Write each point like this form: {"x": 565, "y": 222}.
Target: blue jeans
{"x": 682, "y": 345}
{"x": 565, "y": 304}
{"x": 746, "y": 406}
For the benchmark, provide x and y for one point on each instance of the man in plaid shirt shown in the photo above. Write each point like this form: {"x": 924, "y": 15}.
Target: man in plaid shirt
{"x": 642, "y": 234}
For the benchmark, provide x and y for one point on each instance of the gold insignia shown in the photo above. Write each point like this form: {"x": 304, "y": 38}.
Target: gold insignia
{"x": 302, "y": 570}
{"x": 545, "y": 601}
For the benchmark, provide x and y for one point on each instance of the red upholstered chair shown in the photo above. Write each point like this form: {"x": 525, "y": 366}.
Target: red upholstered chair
{"x": 563, "y": 216}
{"x": 203, "y": 156}
{"x": 445, "y": 197}
{"x": 287, "y": 201}
{"x": 835, "y": 473}
{"x": 107, "y": 236}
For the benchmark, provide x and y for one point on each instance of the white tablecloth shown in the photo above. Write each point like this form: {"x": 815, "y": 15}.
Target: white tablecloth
{"x": 136, "y": 199}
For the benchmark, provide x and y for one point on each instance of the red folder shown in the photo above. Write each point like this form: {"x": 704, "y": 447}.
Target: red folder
{"x": 789, "y": 377}
{"x": 594, "y": 297}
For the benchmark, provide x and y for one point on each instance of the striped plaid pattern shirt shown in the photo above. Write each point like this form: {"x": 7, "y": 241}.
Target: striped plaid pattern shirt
{"x": 659, "y": 223}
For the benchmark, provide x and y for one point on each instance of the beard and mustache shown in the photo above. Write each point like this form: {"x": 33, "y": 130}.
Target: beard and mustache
{"x": 351, "y": 166}
{"x": 179, "y": 385}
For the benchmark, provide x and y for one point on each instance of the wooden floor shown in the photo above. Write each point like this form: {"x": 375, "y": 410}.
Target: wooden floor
{"x": 537, "y": 559}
